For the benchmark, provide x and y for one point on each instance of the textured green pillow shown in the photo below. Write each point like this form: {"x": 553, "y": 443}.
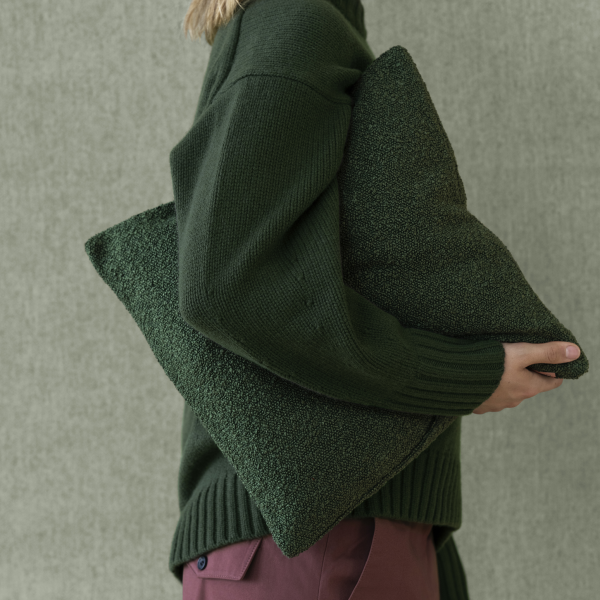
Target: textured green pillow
{"x": 409, "y": 245}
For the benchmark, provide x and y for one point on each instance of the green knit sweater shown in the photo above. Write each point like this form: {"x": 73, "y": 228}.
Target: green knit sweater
{"x": 254, "y": 174}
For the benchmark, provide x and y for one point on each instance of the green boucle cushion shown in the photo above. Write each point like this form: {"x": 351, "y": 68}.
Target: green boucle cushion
{"x": 409, "y": 245}
{"x": 306, "y": 460}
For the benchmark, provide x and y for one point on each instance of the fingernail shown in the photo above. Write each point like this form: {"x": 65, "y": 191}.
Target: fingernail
{"x": 572, "y": 351}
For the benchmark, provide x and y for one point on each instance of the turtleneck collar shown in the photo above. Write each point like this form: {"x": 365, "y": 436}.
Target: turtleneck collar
{"x": 353, "y": 11}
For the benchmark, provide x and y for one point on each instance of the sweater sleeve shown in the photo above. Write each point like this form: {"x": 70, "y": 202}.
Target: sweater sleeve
{"x": 260, "y": 270}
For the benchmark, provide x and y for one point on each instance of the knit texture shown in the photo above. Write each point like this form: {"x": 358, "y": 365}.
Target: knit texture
{"x": 314, "y": 248}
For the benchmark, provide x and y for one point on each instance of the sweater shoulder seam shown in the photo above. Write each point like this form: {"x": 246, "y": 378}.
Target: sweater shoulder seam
{"x": 296, "y": 79}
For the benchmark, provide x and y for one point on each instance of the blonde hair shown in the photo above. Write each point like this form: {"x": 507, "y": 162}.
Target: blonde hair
{"x": 207, "y": 16}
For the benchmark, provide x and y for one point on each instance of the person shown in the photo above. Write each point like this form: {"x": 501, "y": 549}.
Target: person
{"x": 255, "y": 191}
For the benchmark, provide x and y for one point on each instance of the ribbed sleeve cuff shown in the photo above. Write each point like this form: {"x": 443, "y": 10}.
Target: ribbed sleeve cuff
{"x": 461, "y": 373}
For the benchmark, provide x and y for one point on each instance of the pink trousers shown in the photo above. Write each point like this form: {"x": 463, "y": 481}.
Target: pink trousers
{"x": 359, "y": 559}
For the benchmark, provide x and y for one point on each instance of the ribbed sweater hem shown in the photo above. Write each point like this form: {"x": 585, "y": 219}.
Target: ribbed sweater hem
{"x": 427, "y": 491}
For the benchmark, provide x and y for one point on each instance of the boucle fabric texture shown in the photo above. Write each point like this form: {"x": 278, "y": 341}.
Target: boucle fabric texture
{"x": 306, "y": 459}
{"x": 409, "y": 243}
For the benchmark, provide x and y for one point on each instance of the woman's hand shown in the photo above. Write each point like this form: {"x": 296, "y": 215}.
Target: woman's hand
{"x": 518, "y": 382}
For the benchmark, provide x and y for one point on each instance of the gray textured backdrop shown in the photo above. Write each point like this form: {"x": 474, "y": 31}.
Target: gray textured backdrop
{"x": 94, "y": 94}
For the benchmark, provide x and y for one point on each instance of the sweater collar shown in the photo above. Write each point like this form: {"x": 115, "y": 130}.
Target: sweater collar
{"x": 353, "y": 11}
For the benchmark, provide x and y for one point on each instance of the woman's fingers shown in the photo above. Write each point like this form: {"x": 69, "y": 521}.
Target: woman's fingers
{"x": 545, "y": 373}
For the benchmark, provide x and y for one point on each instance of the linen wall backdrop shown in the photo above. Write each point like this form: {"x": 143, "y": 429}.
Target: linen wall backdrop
{"x": 93, "y": 98}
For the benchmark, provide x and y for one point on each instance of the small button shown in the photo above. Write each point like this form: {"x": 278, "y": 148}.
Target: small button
{"x": 202, "y": 563}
